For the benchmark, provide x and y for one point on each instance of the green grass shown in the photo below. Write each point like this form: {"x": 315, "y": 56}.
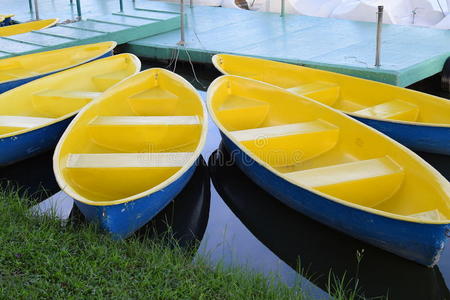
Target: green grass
{"x": 39, "y": 258}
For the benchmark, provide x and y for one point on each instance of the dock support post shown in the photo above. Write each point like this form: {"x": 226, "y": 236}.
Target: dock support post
{"x": 181, "y": 42}
{"x": 283, "y": 8}
{"x": 121, "y": 5}
{"x": 191, "y": 3}
{"x": 379, "y": 28}
{"x": 30, "y": 4}
{"x": 36, "y": 9}
{"x": 79, "y": 9}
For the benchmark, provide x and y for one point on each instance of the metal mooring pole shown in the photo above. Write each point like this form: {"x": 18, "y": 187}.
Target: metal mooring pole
{"x": 79, "y": 9}
{"x": 282, "y": 8}
{"x": 121, "y": 5}
{"x": 36, "y": 9}
{"x": 30, "y": 4}
{"x": 181, "y": 42}
{"x": 379, "y": 29}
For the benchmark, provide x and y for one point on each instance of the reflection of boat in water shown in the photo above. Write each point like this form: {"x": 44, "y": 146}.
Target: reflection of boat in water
{"x": 187, "y": 215}
{"x": 296, "y": 238}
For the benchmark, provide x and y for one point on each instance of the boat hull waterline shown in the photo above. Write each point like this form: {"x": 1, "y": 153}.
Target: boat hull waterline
{"x": 417, "y": 120}
{"x": 130, "y": 152}
{"x": 422, "y": 243}
{"x": 10, "y": 84}
{"x": 333, "y": 168}
{"x": 34, "y": 116}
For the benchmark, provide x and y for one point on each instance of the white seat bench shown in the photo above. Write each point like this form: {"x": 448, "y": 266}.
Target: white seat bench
{"x": 23, "y": 121}
{"x": 128, "y": 160}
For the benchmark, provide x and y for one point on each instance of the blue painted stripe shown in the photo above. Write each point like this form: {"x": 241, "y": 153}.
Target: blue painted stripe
{"x": 418, "y": 242}
{"x": 124, "y": 219}
{"x": 6, "y": 86}
{"x": 417, "y": 137}
{"x": 31, "y": 143}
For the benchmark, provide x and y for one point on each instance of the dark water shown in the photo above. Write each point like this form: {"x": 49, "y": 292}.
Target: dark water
{"x": 317, "y": 249}
{"x": 240, "y": 224}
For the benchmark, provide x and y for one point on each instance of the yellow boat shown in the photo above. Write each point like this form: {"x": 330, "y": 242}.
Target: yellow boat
{"x": 5, "y": 19}
{"x": 33, "y": 116}
{"x": 417, "y": 120}
{"x": 333, "y": 168}
{"x": 131, "y": 151}
{"x": 26, "y": 27}
{"x": 18, "y": 70}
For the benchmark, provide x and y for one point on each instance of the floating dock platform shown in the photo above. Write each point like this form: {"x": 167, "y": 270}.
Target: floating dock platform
{"x": 122, "y": 27}
{"x": 151, "y": 29}
{"x": 409, "y": 53}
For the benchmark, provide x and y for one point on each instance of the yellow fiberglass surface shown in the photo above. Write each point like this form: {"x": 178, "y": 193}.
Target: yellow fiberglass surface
{"x": 355, "y": 96}
{"x": 3, "y": 17}
{"x": 56, "y": 97}
{"x": 36, "y": 64}
{"x": 327, "y": 152}
{"x": 26, "y": 27}
{"x": 136, "y": 139}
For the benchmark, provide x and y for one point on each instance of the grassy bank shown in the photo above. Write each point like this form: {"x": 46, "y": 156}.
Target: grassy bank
{"x": 40, "y": 258}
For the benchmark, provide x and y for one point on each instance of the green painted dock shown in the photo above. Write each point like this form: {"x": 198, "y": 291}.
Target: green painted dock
{"x": 409, "y": 54}
{"x": 151, "y": 29}
{"x": 122, "y": 27}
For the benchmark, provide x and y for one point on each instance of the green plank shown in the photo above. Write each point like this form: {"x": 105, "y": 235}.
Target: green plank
{"x": 40, "y": 39}
{"x": 151, "y": 15}
{"x": 159, "y": 6}
{"x": 96, "y": 26}
{"x": 122, "y": 20}
{"x": 72, "y": 33}
{"x": 16, "y": 47}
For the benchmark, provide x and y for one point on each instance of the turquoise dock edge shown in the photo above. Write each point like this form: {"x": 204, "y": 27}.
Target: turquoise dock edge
{"x": 409, "y": 53}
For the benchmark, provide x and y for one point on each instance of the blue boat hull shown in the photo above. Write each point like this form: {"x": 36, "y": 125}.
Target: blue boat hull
{"x": 22, "y": 146}
{"x": 421, "y": 243}
{"x": 6, "y": 86}
{"x": 420, "y": 138}
{"x": 6, "y": 22}
{"x": 124, "y": 219}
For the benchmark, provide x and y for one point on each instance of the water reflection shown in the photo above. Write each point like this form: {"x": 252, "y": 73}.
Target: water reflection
{"x": 298, "y": 240}
{"x": 187, "y": 215}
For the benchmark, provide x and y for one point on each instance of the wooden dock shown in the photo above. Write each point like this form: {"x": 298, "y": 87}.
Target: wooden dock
{"x": 409, "y": 53}
{"x": 122, "y": 27}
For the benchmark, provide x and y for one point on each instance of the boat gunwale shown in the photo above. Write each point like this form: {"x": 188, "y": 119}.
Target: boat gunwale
{"x": 440, "y": 180}
{"x": 136, "y": 63}
{"x": 177, "y": 175}
{"x": 111, "y": 48}
{"x": 216, "y": 64}
{"x": 52, "y": 22}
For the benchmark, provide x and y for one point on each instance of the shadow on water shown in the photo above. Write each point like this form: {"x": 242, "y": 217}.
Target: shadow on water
{"x": 186, "y": 216}
{"x": 307, "y": 245}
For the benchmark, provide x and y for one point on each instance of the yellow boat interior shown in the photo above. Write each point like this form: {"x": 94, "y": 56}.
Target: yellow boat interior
{"x": 134, "y": 140}
{"x": 328, "y": 152}
{"x": 3, "y": 17}
{"x": 25, "y": 66}
{"x": 56, "y": 97}
{"x": 26, "y": 27}
{"x": 356, "y": 96}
